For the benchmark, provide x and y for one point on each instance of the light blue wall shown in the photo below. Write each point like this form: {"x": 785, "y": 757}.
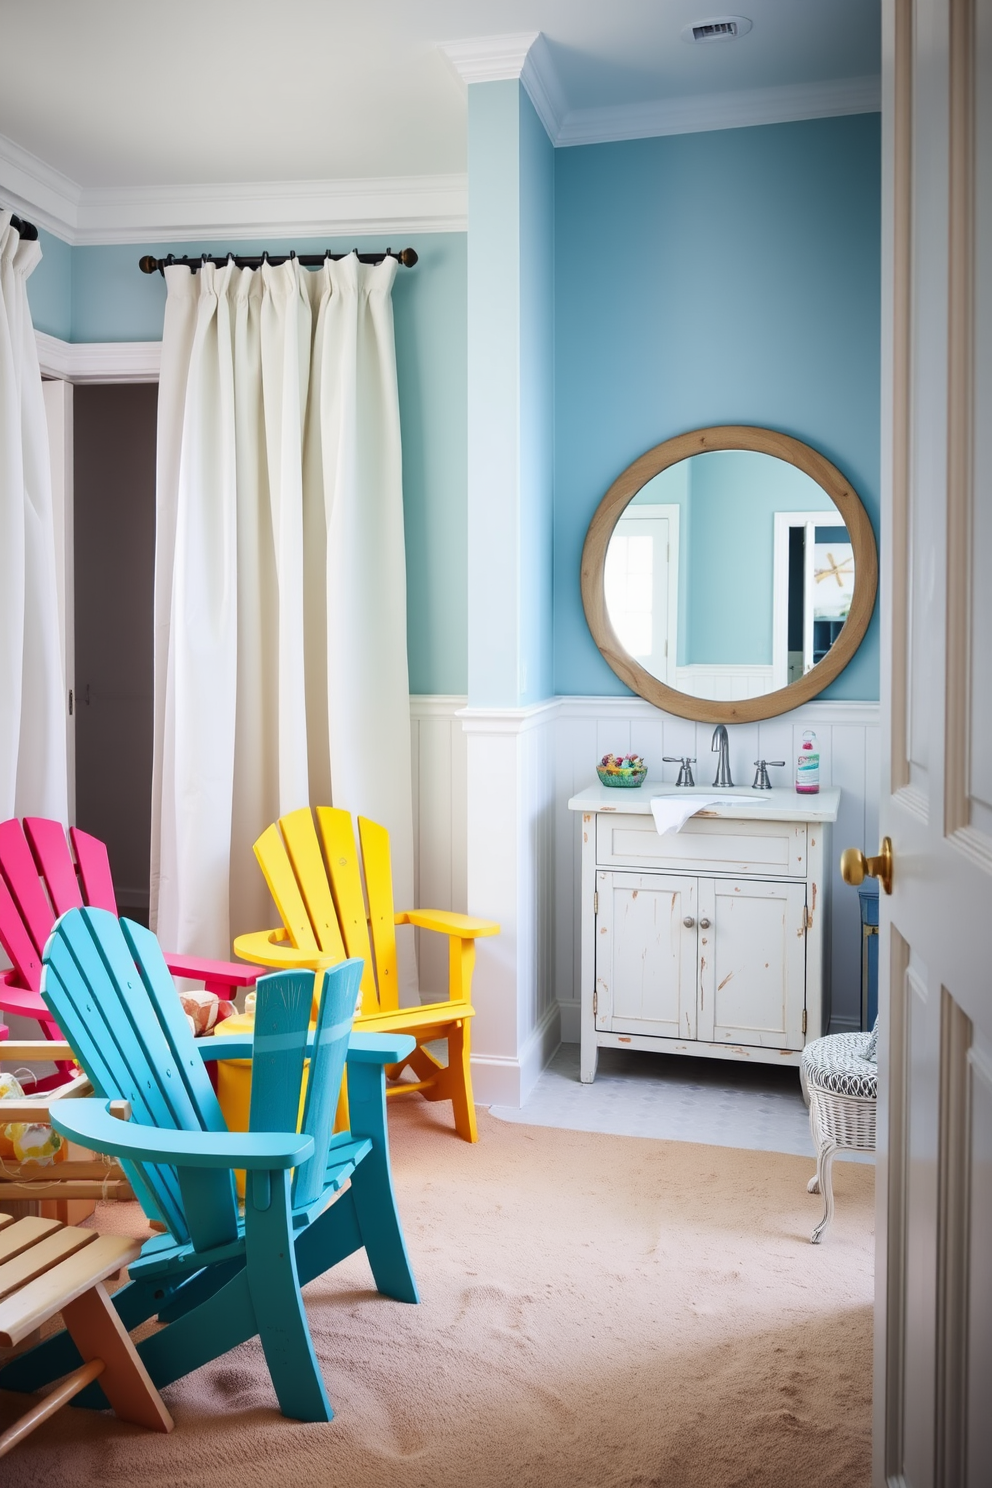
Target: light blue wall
{"x": 725, "y": 277}
{"x": 537, "y": 298}
{"x": 493, "y": 367}
{"x": 111, "y": 300}
{"x": 50, "y": 288}
{"x": 510, "y": 399}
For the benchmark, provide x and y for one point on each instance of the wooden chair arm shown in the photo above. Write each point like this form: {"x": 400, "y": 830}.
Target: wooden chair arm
{"x": 448, "y": 922}
{"x": 272, "y": 948}
{"x": 90, "y": 1123}
{"x": 380, "y": 1048}
{"x": 216, "y": 976}
{"x": 363, "y": 1048}
{"x": 38, "y": 1050}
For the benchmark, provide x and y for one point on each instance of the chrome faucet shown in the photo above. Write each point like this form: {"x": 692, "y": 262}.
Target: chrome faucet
{"x": 721, "y": 743}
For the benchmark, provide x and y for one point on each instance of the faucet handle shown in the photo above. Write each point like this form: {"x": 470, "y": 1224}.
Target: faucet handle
{"x": 685, "y": 763}
{"x": 761, "y": 780}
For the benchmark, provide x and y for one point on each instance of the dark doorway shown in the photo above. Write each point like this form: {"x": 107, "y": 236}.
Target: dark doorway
{"x": 114, "y": 536}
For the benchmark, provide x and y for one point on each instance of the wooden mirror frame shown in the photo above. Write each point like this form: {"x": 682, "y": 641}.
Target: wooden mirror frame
{"x": 670, "y": 452}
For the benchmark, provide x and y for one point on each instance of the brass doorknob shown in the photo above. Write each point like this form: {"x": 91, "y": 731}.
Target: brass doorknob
{"x": 855, "y": 867}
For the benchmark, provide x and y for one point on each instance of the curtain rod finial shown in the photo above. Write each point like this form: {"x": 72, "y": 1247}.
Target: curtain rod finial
{"x": 148, "y": 265}
{"x": 408, "y": 257}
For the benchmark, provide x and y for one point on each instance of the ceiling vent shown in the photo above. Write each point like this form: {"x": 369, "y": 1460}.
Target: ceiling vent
{"x": 720, "y": 28}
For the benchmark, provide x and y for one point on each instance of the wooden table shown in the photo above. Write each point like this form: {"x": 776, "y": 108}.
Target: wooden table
{"x": 47, "y": 1267}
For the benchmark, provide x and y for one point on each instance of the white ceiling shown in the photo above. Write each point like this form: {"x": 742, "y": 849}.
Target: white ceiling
{"x": 120, "y": 94}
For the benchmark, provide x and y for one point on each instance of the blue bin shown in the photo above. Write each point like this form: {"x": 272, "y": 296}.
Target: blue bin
{"x": 868, "y": 894}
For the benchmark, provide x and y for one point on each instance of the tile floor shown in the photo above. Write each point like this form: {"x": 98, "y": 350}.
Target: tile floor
{"x": 721, "y": 1102}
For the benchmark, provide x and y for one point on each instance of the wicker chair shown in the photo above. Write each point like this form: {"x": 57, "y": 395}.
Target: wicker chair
{"x": 840, "y": 1079}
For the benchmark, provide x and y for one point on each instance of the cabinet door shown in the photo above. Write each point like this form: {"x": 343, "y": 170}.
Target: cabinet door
{"x": 752, "y": 963}
{"x": 646, "y": 954}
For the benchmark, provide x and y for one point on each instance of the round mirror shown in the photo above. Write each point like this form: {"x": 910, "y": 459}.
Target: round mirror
{"x": 729, "y": 574}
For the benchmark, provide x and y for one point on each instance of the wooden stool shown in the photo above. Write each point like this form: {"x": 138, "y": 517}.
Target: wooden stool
{"x": 47, "y": 1267}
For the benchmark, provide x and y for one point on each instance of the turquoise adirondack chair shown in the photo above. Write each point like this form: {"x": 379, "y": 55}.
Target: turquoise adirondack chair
{"x": 216, "y": 1278}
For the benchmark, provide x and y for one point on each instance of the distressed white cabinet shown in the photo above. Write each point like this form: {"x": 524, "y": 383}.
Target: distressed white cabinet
{"x": 709, "y": 940}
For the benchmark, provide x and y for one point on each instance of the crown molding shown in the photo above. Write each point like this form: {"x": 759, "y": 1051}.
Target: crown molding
{"x": 258, "y": 209}
{"x": 91, "y": 215}
{"x": 540, "y": 78}
{"x": 49, "y": 199}
{"x": 99, "y": 361}
{"x": 740, "y": 110}
{"x": 524, "y": 56}
{"x": 489, "y": 59}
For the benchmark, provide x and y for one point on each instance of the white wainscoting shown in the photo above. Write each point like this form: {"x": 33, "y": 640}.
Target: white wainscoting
{"x": 440, "y": 762}
{"x": 494, "y": 836}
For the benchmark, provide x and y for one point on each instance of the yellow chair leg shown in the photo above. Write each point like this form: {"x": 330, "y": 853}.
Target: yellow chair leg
{"x": 460, "y": 1081}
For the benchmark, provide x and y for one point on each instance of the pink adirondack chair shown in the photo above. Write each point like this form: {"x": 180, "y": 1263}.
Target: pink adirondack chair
{"x": 40, "y": 881}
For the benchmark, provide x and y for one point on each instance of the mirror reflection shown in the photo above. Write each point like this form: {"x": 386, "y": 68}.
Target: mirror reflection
{"x": 729, "y": 575}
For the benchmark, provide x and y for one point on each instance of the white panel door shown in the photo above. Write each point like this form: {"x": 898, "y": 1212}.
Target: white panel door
{"x": 752, "y": 962}
{"x": 933, "y": 1386}
{"x": 646, "y": 954}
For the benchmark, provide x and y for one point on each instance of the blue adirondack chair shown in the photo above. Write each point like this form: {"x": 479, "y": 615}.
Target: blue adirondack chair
{"x": 217, "y": 1278}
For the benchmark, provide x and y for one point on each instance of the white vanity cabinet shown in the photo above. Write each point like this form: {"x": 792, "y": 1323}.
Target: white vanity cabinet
{"x": 708, "y": 940}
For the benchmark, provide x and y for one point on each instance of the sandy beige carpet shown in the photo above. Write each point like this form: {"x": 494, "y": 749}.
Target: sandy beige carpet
{"x": 598, "y": 1312}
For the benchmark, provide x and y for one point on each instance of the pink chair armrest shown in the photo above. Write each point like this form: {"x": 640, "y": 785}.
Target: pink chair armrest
{"x": 216, "y": 976}
{"x": 21, "y": 1000}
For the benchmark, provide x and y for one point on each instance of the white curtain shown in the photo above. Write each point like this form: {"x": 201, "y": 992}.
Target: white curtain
{"x": 280, "y": 587}
{"x": 33, "y": 769}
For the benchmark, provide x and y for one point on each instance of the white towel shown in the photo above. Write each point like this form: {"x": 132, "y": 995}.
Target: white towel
{"x": 672, "y": 812}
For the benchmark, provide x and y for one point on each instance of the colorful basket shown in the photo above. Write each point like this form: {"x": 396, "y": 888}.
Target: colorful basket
{"x": 623, "y": 779}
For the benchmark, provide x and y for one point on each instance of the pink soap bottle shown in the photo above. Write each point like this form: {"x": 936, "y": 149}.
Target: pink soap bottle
{"x": 808, "y": 766}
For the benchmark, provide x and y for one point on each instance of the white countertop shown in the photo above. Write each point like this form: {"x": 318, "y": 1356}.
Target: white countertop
{"x": 772, "y": 805}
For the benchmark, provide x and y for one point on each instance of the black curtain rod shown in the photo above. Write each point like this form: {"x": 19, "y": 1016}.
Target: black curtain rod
{"x": 148, "y": 265}
{"x": 27, "y": 230}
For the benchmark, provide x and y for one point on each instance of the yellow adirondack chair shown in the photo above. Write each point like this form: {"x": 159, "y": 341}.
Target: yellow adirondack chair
{"x": 326, "y": 919}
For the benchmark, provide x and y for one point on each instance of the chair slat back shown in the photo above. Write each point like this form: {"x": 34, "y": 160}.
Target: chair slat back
{"x": 20, "y": 948}
{"x": 277, "y": 869}
{"x": 151, "y": 965}
{"x": 54, "y": 860}
{"x": 382, "y": 916}
{"x": 300, "y": 837}
{"x": 335, "y": 1017}
{"x": 279, "y": 1043}
{"x": 344, "y": 871}
{"x": 20, "y": 870}
{"x": 120, "y": 1019}
{"x": 93, "y": 862}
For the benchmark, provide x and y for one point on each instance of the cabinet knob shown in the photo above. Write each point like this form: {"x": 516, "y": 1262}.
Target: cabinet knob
{"x": 688, "y": 922}
{"x": 704, "y": 924}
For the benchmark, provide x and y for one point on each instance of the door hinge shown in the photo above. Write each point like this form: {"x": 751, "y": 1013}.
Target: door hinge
{"x": 70, "y": 702}
{"x": 595, "y": 903}
{"x": 595, "y": 1004}
{"x": 807, "y": 918}
{"x": 804, "y": 1020}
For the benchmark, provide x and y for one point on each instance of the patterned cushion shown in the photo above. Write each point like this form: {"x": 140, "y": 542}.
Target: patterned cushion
{"x": 871, "y": 1053}
{"x": 839, "y": 1062}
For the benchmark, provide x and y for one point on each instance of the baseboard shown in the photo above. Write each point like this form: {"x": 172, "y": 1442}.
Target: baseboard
{"x": 571, "y": 1028}
{"x": 504, "y": 1081}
